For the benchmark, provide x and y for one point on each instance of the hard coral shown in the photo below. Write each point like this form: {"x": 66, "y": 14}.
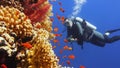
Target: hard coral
{"x": 16, "y": 21}
{"x": 42, "y": 53}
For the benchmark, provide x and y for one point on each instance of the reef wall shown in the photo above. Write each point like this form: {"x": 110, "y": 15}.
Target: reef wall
{"x": 25, "y": 34}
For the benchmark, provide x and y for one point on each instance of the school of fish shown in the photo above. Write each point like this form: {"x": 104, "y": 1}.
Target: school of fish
{"x": 71, "y": 57}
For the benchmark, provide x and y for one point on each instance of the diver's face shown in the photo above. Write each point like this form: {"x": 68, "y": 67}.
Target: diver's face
{"x": 68, "y": 23}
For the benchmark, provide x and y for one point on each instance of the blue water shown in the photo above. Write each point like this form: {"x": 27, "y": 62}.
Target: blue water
{"x": 105, "y": 15}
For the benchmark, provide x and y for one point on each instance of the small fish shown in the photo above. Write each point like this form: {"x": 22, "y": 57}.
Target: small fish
{"x": 65, "y": 40}
{"x": 64, "y": 56}
{"x": 61, "y": 51}
{"x": 65, "y": 47}
{"x": 71, "y": 56}
{"x": 82, "y": 66}
{"x": 27, "y": 45}
{"x": 68, "y": 62}
{"x": 55, "y": 41}
{"x": 58, "y": 16}
{"x": 62, "y": 10}
{"x": 51, "y": 19}
{"x": 62, "y": 19}
{"x": 53, "y": 47}
{"x": 55, "y": 29}
{"x": 60, "y": 3}
{"x": 58, "y": 34}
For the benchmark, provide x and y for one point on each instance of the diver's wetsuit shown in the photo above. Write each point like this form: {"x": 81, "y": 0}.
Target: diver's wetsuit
{"x": 83, "y": 33}
{"x": 75, "y": 31}
{"x": 100, "y": 39}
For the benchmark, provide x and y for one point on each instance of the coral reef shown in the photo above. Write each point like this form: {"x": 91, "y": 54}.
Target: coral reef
{"x": 42, "y": 49}
{"x": 12, "y": 3}
{"x": 14, "y": 22}
{"x": 19, "y": 31}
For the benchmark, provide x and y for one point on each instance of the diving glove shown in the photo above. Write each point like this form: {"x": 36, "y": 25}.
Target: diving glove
{"x": 71, "y": 39}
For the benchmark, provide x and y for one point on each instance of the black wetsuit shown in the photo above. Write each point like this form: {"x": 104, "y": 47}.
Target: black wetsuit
{"x": 75, "y": 32}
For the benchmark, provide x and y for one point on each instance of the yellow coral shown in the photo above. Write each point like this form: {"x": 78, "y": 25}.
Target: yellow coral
{"x": 16, "y": 21}
{"x": 42, "y": 54}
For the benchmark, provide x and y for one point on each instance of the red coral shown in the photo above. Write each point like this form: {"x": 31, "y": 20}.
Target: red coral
{"x": 39, "y": 15}
{"x": 35, "y": 12}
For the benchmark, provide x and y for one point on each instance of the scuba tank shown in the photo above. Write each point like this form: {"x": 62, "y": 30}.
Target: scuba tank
{"x": 89, "y": 25}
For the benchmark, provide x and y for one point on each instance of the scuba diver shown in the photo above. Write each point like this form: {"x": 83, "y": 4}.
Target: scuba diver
{"x": 80, "y": 31}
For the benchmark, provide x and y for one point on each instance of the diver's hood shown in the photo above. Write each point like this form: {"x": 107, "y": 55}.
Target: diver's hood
{"x": 68, "y": 22}
{"x": 87, "y": 23}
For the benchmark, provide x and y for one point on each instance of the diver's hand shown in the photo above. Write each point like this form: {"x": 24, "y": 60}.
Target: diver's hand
{"x": 72, "y": 39}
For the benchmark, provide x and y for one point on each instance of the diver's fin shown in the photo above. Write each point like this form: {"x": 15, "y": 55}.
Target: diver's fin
{"x": 82, "y": 47}
{"x": 111, "y": 31}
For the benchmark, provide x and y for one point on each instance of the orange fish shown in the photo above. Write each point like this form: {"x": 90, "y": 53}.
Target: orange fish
{"x": 65, "y": 47}
{"x": 60, "y": 3}
{"x": 71, "y": 56}
{"x": 58, "y": 16}
{"x": 58, "y": 34}
{"x": 27, "y": 45}
{"x": 68, "y": 62}
{"x": 55, "y": 41}
{"x": 51, "y": 19}
{"x": 62, "y": 10}
{"x": 61, "y": 51}
{"x": 55, "y": 29}
{"x": 82, "y": 66}
{"x": 53, "y": 47}
{"x": 65, "y": 40}
{"x": 62, "y": 19}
